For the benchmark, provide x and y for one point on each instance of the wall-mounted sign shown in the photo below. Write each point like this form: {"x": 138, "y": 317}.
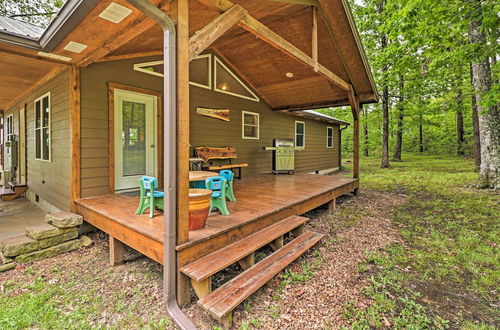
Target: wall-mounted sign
{"x": 221, "y": 114}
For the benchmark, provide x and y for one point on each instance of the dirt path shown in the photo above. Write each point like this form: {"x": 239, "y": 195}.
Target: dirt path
{"x": 322, "y": 283}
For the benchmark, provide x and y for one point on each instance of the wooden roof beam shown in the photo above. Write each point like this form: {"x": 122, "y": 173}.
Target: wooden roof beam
{"x": 255, "y": 27}
{"x": 264, "y": 33}
{"x": 354, "y": 102}
{"x": 300, "y": 2}
{"x": 121, "y": 37}
{"x": 203, "y": 38}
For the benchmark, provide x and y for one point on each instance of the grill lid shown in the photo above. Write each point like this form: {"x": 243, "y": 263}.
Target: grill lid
{"x": 283, "y": 143}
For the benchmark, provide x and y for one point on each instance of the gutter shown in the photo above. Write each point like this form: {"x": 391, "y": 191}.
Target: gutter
{"x": 65, "y": 21}
{"x": 169, "y": 159}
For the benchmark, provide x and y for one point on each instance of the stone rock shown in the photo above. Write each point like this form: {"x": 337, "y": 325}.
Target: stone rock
{"x": 22, "y": 244}
{"x": 45, "y": 231}
{"x": 64, "y": 219}
{"x": 86, "y": 241}
{"x": 16, "y": 245}
{"x": 4, "y": 260}
{"x": 50, "y": 251}
{"x": 65, "y": 236}
{"x": 4, "y": 268}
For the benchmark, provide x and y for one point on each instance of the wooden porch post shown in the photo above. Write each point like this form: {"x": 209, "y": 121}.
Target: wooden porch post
{"x": 74, "y": 115}
{"x": 182, "y": 141}
{"x": 355, "y": 107}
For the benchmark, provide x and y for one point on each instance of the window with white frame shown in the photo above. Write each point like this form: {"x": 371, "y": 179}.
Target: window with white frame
{"x": 300, "y": 134}
{"x": 329, "y": 137}
{"x": 250, "y": 125}
{"x": 9, "y": 131}
{"x": 42, "y": 128}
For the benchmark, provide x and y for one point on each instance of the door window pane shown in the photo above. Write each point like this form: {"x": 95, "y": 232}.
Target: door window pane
{"x": 134, "y": 138}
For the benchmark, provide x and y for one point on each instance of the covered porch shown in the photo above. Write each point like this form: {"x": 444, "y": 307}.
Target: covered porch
{"x": 261, "y": 201}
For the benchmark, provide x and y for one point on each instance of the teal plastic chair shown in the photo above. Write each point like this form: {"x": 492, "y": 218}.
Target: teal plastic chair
{"x": 229, "y": 176}
{"x": 218, "y": 186}
{"x": 149, "y": 198}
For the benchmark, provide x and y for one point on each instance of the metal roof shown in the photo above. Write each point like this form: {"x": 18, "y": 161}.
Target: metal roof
{"x": 20, "y": 28}
{"x": 324, "y": 117}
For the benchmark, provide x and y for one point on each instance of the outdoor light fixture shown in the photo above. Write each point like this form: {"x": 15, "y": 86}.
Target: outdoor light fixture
{"x": 115, "y": 13}
{"x": 75, "y": 47}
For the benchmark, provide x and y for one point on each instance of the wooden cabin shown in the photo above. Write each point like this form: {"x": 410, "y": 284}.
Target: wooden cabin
{"x": 113, "y": 90}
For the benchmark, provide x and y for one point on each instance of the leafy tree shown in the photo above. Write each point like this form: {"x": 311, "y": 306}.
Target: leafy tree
{"x": 37, "y": 12}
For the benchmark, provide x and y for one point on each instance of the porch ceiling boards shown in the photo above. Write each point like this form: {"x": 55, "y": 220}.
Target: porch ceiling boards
{"x": 264, "y": 67}
{"x": 257, "y": 60}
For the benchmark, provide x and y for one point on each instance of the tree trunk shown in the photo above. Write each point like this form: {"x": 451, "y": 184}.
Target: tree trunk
{"x": 385, "y": 99}
{"x": 399, "y": 133}
{"x": 421, "y": 134}
{"x": 475, "y": 129}
{"x": 489, "y": 118}
{"x": 367, "y": 151}
{"x": 460, "y": 132}
{"x": 385, "y": 127}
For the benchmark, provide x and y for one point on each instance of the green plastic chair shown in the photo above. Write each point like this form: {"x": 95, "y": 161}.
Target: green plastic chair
{"x": 229, "y": 176}
{"x": 218, "y": 186}
{"x": 149, "y": 198}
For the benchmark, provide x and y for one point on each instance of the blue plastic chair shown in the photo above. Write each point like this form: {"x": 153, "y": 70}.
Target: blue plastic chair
{"x": 218, "y": 186}
{"x": 229, "y": 176}
{"x": 149, "y": 197}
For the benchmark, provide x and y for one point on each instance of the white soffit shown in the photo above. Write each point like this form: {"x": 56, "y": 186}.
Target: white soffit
{"x": 75, "y": 47}
{"x": 115, "y": 13}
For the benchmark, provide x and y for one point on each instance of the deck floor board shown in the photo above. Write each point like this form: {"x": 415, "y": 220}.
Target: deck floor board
{"x": 257, "y": 196}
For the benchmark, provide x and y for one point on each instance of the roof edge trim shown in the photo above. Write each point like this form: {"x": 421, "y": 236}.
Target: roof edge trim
{"x": 357, "y": 38}
{"x": 65, "y": 21}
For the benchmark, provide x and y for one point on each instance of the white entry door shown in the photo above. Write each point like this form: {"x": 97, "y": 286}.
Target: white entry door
{"x": 135, "y": 138}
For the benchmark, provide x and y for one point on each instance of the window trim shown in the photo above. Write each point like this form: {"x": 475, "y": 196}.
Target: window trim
{"x": 243, "y": 125}
{"x": 42, "y": 127}
{"x": 8, "y": 150}
{"x": 209, "y": 86}
{"x": 303, "y": 134}
{"x": 327, "y": 129}
{"x": 255, "y": 98}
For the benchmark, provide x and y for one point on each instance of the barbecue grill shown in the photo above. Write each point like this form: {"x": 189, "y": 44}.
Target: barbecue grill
{"x": 283, "y": 155}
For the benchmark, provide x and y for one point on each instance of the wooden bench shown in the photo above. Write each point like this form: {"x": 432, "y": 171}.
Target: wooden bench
{"x": 222, "y": 301}
{"x": 229, "y": 153}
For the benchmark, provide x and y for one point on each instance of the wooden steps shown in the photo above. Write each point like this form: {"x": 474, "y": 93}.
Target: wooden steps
{"x": 16, "y": 189}
{"x": 212, "y": 263}
{"x": 222, "y": 301}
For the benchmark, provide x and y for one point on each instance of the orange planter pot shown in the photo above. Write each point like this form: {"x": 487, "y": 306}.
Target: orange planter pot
{"x": 199, "y": 204}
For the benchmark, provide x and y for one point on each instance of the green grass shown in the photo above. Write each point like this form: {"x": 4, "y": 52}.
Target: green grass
{"x": 447, "y": 271}
{"x": 80, "y": 291}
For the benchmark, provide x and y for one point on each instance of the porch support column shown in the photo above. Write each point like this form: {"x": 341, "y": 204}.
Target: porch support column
{"x": 355, "y": 107}
{"x": 74, "y": 115}
{"x": 183, "y": 295}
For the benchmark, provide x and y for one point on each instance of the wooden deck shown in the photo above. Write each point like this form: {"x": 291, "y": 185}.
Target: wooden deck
{"x": 261, "y": 201}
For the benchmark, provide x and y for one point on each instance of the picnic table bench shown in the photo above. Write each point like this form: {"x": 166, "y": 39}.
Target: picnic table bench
{"x": 229, "y": 153}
